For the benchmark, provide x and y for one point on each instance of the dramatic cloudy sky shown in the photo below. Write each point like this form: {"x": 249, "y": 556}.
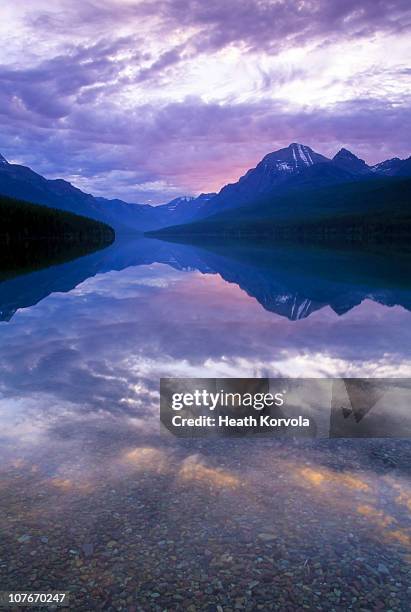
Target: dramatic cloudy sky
{"x": 149, "y": 99}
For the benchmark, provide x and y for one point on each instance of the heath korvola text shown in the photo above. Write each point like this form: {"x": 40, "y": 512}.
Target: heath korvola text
{"x": 228, "y": 406}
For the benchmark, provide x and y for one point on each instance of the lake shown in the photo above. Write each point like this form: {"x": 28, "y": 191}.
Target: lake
{"x": 97, "y": 501}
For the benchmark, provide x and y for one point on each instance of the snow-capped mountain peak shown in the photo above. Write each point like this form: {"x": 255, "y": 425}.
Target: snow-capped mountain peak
{"x": 291, "y": 159}
{"x": 302, "y": 154}
{"x": 178, "y": 201}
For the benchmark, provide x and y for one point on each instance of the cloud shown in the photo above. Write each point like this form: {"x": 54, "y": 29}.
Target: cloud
{"x": 112, "y": 349}
{"x": 274, "y": 24}
{"x": 257, "y": 24}
{"x": 198, "y": 146}
{"x": 166, "y": 59}
{"x": 52, "y": 87}
{"x": 146, "y": 101}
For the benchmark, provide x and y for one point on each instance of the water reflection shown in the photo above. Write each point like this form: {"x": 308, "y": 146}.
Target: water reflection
{"x": 101, "y": 347}
{"x": 98, "y": 498}
{"x": 291, "y": 281}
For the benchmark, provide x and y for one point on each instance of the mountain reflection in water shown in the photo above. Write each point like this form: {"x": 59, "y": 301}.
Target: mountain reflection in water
{"x": 99, "y": 502}
{"x": 292, "y": 281}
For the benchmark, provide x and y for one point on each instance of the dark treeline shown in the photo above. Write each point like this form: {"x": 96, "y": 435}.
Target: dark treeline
{"x": 374, "y": 211}
{"x": 34, "y": 236}
{"x": 24, "y": 221}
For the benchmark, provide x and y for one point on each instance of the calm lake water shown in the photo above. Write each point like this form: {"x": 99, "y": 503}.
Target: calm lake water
{"x": 96, "y": 501}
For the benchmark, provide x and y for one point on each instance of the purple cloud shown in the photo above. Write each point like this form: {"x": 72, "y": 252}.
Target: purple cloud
{"x": 272, "y": 25}
{"x": 259, "y": 24}
{"x": 123, "y": 109}
{"x": 201, "y": 146}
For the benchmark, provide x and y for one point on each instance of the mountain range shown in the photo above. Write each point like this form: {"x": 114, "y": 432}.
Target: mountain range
{"x": 291, "y": 170}
{"x": 297, "y": 187}
{"x": 22, "y": 183}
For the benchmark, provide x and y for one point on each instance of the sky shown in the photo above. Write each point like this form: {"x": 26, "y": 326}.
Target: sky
{"x": 148, "y": 100}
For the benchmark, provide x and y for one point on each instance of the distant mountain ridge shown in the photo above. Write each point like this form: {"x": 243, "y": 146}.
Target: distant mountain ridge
{"x": 297, "y": 168}
{"x": 350, "y": 162}
{"x": 293, "y": 169}
{"x": 21, "y": 182}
